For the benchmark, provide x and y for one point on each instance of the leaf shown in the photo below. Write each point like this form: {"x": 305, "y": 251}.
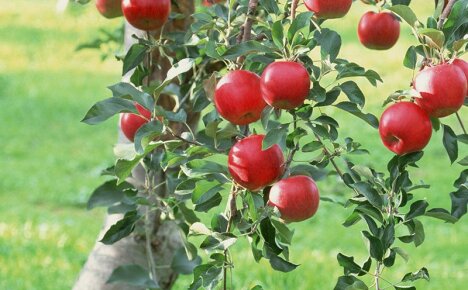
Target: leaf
{"x": 374, "y": 245}
{"x": 350, "y": 283}
{"x": 312, "y": 146}
{"x": 464, "y": 161}
{"x": 442, "y": 214}
{"x": 123, "y": 90}
{"x": 406, "y": 13}
{"x": 402, "y": 253}
{"x": 418, "y": 208}
{"x": 278, "y": 263}
{"x": 353, "y": 109}
{"x": 459, "y": 202}
{"x": 245, "y": 48}
{"x": 135, "y": 55}
{"x": 411, "y": 59}
{"x": 419, "y": 234}
{"x": 435, "y": 37}
{"x": 283, "y": 231}
{"x": 353, "y": 92}
{"x": 200, "y": 229}
{"x": 350, "y": 267}
{"x": 121, "y": 229}
{"x": 274, "y": 136}
{"x": 107, "y": 108}
{"x": 330, "y": 43}
{"x": 107, "y": 194}
{"x": 277, "y": 34}
{"x": 146, "y": 134}
{"x": 450, "y": 143}
{"x": 183, "y": 66}
{"x": 134, "y": 275}
{"x": 181, "y": 263}
{"x": 423, "y": 273}
{"x": 301, "y": 21}
{"x": 370, "y": 193}
{"x": 456, "y": 18}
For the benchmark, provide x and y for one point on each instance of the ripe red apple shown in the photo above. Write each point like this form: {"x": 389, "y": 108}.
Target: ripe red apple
{"x": 405, "y": 128}
{"x": 238, "y": 98}
{"x": 463, "y": 65}
{"x": 109, "y": 8}
{"x": 327, "y": 9}
{"x": 252, "y": 167}
{"x": 378, "y": 30}
{"x": 442, "y": 89}
{"x": 130, "y": 123}
{"x": 297, "y": 198}
{"x": 208, "y": 3}
{"x": 285, "y": 84}
{"x": 146, "y": 14}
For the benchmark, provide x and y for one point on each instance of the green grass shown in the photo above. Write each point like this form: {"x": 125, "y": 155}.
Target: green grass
{"x": 50, "y": 162}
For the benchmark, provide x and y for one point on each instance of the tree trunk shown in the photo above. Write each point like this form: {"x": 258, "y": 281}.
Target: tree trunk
{"x": 166, "y": 239}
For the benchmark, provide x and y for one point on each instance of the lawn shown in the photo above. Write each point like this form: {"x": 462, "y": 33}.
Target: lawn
{"x": 51, "y": 162}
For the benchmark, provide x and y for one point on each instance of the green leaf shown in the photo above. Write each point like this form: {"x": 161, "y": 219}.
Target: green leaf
{"x": 370, "y": 193}
{"x": 402, "y": 253}
{"x": 459, "y": 202}
{"x": 434, "y": 37}
{"x": 312, "y": 146}
{"x": 464, "y": 161}
{"x": 121, "y": 229}
{"x": 135, "y": 55}
{"x": 350, "y": 283}
{"x": 418, "y": 208}
{"x": 181, "y": 263}
{"x": 442, "y": 214}
{"x": 375, "y": 246}
{"x": 278, "y": 263}
{"x": 108, "y": 194}
{"x": 353, "y": 92}
{"x": 245, "y": 48}
{"x": 274, "y": 136}
{"x": 411, "y": 59}
{"x": 456, "y": 19}
{"x": 423, "y": 273}
{"x": 450, "y": 143}
{"x": 146, "y": 134}
{"x": 124, "y": 90}
{"x": 330, "y": 43}
{"x": 419, "y": 234}
{"x": 350, "y": 267}
{"x": 183, "y": 66}
{"x": 283, "y": 231}
{"x": 353, "y": 109}
{"x": 206, "y": 195}
{"x": 406, "y": 13}
{"x": 301, "y": 21}
{"x": 107, "y": 108}
{"x": 133, "y": 275}
{"x": 277, "y": 34}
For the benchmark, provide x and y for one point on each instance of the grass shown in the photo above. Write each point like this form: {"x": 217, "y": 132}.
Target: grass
{"x": 51, "y": 162}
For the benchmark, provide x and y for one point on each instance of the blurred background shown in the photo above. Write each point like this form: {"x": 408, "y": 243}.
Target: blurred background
{"x": 50, "y": 162}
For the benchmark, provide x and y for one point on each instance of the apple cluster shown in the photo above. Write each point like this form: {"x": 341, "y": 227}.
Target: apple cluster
{"x": 406, "y": 127}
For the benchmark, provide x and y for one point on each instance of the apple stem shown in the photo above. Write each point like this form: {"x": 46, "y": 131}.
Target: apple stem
{"x": 294, "y": 8}
{"x": 445, "y": 13}
{"x": 461, "y": 122}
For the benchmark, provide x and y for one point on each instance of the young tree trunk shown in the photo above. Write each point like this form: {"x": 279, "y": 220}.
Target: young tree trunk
{"x": 166, "y": 239}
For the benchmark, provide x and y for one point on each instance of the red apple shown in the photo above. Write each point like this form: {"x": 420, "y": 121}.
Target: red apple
{"x": 297, "y": 198}
{"x": 109, "y": 8}
{"x": 327, "y": 9}
{"x": 405, "y": 128}
{"x": 463, "y": 65}
{"x": 130, "y": 123}
{"x": 442, "y": 89}
{"x": 238, "y": 98}
{"x": 146, "y": 14}
{"x": 378, "y": 30}
{"x": 208, "y": 3}
{"x": 285, "y": 84}
{"x": 252, "y": 167}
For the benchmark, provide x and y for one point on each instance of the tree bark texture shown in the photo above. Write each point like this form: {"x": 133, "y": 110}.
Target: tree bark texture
{"x": 165, "y": 239}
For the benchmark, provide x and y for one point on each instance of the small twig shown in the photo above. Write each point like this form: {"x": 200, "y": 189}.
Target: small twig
{"x": 231, "y": 213}
{"x": 377, "y": 276}
{"x": 245, "y": 33}
{"x": 330, "y": 157}
{"x": 293, "y": 151}
{"x": 461, "y": 122}
{"x": 294, "y": 8}
{"x": 445, "y": 13}
{"x": 194, "y": 142}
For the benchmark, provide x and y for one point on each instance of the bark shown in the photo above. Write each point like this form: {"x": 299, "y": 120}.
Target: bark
{"x": 165, "y": 239}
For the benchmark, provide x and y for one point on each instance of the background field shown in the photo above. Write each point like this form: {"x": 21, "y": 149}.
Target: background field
{"x": 50, "y": 162}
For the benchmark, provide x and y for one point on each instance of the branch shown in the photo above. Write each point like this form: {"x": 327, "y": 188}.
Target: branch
{"x": 445, "y": 13}
{"x": 461, "y": 122}
{"x": 232, "y": 212}
{"x": 294, "y": 8}
{"x": 249, "y": 20}
{"x": 330, "y": 157}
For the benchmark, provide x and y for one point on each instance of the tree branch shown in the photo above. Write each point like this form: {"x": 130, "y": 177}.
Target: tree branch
{"x": 445, "y": 13}
{"x": 249, "y": 20}
{"x": 231, "y": 213}
{"x": 294, "y": 8}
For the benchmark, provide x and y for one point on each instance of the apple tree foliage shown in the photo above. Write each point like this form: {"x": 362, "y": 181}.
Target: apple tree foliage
{"x": 197, "y": 182}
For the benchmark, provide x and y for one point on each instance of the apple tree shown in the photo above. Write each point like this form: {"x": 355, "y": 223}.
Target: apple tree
{"x": 217, "y": 104}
